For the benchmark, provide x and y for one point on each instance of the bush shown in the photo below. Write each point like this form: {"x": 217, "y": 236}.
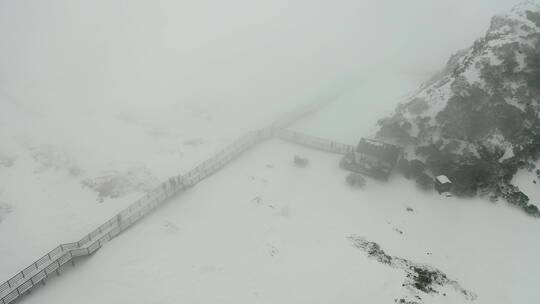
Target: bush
{"x": 416, "y": 167}
{"x": 300, "y": 161}
{"x": 404, "y": 167}
{"x": 532, "y": 210}
{"x": 518, "y": 198}
{"x": 394, "y": 127}
{"x": 417, "y": 106}
{"x": 424, "y": 182}
{"x": 411, "y": 169}
{"x": 534, "y": 17}
{"x": 356, "y": 180}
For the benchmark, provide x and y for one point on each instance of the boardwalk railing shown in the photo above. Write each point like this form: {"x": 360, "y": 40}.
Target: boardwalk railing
{"x": 313, "y": 142}
{"x": 52, "y": 262}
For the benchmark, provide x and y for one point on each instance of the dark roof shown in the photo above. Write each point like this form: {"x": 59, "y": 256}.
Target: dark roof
{"x": 379, "y": 149}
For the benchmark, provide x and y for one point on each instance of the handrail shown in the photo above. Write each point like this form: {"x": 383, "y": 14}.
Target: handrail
{"x": 52, "y": 262}
{"x": 314, "y": 142}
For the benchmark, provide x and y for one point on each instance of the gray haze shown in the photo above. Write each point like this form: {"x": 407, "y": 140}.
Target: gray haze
{"x": 143, "y": 53}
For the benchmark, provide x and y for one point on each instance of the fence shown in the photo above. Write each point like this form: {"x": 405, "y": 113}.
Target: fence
{"x": 314, "y": 142}
{"x": 52, "y": 262}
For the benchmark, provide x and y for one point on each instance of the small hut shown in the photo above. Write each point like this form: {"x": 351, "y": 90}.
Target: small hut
{"x": 443, "y": 184}
{"x": 372, "y": 157}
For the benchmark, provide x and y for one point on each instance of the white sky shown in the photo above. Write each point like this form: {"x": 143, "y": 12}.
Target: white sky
{"x": 147, "y": 52}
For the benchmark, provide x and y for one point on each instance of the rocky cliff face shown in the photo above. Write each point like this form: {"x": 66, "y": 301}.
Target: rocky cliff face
{"x": 477, "y": 121}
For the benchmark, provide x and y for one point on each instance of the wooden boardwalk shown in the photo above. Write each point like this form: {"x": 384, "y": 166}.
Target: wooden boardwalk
{"x": 51, "y": 263}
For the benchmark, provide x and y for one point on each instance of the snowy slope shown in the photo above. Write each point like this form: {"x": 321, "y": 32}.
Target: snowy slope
{"x": 265, "y": 231}
{"x": 49, "y": 159}
{"x": 261, "y": 230}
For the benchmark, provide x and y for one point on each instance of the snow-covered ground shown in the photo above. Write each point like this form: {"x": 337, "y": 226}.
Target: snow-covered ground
{"x": 260, "y": 230}
{"x": 265, "y": 231}
{"x": 529, "y": 183}
{"x": 47, "y": 157}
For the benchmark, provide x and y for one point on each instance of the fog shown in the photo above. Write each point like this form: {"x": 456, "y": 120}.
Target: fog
{"x": 157, "y": 113}
{"x": 102, "y": 55}
{"x": 104, "y": 79}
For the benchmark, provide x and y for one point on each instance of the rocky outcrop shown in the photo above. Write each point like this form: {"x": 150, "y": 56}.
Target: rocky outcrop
{"x": 420, "y": 279}
{"x": 477, "y": 121}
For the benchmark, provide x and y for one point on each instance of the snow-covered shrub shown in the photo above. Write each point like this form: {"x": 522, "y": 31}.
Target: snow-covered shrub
{"x": 417, "y": 106}
{"x": 411, "y": 169}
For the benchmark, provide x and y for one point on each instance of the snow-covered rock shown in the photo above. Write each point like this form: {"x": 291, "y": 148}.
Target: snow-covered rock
{"x": 477, "y": 121}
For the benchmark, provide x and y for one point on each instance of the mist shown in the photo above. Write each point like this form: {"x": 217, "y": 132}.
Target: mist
{"x": 103, "y": 55}
{"x": 103, "y": 80}
{"x": 175, "y": 151}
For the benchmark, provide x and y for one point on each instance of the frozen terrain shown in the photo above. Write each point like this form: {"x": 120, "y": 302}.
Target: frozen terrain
{"x": 262, "y": 230}
{"x": 265, "y": 231}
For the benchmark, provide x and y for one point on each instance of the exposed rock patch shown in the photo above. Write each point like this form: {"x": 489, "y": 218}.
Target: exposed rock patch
{"x": 419, "y": 278}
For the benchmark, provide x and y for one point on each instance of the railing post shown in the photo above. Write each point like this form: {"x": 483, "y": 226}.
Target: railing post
{"x": 58, "y": 269}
